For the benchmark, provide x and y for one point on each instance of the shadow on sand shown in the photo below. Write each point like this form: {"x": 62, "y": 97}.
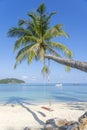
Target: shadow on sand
{"x": 73, "y": 103}
{"x": 77, "y": 105}
{"x": 23, "y": 102}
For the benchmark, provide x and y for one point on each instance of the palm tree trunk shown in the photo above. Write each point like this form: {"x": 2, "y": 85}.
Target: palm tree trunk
{"x": 72, "y": 63}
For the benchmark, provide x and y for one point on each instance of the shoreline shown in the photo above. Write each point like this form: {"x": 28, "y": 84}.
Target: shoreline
{"x": 19, "y": 116}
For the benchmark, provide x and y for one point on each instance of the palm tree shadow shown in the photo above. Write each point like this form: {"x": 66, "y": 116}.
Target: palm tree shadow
{"x": 18, "y": 100}
{"x": 77, "y": 106}
{"x": 41, "y": 113}
{"x": 33, "y": 114}
{"x": 23, "y": 102}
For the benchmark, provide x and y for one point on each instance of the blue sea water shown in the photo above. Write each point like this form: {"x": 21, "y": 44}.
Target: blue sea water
{"x": 34, "y": 93}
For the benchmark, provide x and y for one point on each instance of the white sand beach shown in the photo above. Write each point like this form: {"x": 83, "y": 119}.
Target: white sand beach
{"x": 17, "y": 117}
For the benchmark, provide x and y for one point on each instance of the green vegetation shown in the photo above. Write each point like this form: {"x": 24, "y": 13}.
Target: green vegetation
{"x": 34, "y": 38}
{"x": 11, "y": 81}
{"x": 35, "y": 41}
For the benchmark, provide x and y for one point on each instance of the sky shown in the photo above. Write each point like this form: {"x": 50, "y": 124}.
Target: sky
{"x": 71, "y": 13}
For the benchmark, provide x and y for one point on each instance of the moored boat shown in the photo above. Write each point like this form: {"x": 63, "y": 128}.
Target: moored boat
{"x": 58, "y": 84}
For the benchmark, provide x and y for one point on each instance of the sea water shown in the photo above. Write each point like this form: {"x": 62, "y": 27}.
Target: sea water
{"x": 42, "y": 93}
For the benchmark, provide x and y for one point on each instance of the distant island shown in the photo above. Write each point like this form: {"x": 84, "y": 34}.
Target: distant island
{"x": 11, "y": 81}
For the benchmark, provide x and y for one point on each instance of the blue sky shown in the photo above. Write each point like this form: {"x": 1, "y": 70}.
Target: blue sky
{"x": 71, "y": 13}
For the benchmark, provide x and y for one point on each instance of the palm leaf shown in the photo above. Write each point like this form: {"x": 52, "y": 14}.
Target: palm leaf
{"x": 48, "y": 17}
{"x": 55, "y": 31}
{"x": 61, "y": 47}
{"x": 23, "y": 22}
{"x": 31, "y": 56}
{"x": 24, "y": 53}
{"x": 18, "y": 32}
{"x": 45, "y": 70}
{"x": 53, "y": 52}
{"x": 41, "y": 8}
{"x": 67, "y": 68}
{"x": 35, "y": 24}
{"x": 23, "y": 41}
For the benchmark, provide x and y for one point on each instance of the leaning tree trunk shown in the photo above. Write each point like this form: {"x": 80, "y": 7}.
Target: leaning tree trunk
{"x": 72, "y": 63}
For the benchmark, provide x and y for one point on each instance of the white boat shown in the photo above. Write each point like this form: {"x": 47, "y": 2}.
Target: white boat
{"x": 58, "y": 85}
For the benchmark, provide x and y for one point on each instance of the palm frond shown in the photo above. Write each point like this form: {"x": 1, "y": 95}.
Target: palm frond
{"x": 61, "y": 47}
{"x": 35, "y": 48}
{"x": 45, "y": 70}
{"x": 23, "y": 41}
{"x": 24, "y": 53}
{"x": 53, "y": 52}
{"x": 39, "y": 51}
{"x": 18, "y": 32}
{"x": 15, "y": 65}
{"x": 31, "y": 56}
{"x": 41, "y": 9}
{"x": 55, "y": 31}
{"x": 67, "y": 68}
{"x": 33, "y": 17}
{"x": 23, "y": 22}
{"x": 35, "y": 24}
{"x": 48, "y": 17}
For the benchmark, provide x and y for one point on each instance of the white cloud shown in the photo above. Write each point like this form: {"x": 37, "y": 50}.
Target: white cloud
{"x": 24, "y": 77}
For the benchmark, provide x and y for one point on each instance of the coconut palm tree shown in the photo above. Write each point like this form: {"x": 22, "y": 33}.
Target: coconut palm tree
{"x": 35, "y": 39}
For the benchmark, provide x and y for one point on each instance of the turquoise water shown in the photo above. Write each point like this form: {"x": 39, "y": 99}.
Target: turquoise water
{"x": 34, "y": 93}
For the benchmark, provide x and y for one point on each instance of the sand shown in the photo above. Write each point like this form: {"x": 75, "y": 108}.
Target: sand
{"x": 19, "y": 116}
